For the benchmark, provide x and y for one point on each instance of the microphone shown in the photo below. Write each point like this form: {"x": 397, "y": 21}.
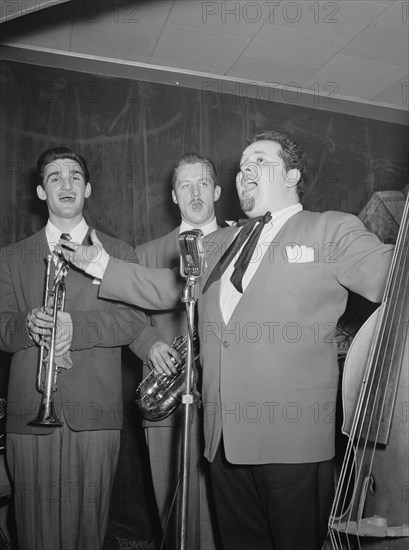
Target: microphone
{"x": 192, "y": 254}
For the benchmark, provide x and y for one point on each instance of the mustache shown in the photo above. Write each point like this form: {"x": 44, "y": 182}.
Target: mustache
{"x": 194, "y": 201}
{"x": 68, "y": 194}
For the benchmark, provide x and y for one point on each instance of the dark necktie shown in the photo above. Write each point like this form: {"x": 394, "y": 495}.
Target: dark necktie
{"x": 249, "y": 235}
{"x": 65, "y": 236}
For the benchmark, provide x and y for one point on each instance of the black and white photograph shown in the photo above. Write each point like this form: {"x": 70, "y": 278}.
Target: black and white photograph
{"x": 204, "y": 275}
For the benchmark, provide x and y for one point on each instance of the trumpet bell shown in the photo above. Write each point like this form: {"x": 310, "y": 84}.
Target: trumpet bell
{"x": 46, "y": 416}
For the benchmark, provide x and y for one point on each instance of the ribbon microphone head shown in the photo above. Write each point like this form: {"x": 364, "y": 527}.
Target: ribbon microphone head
{"x": 191, "y": 253}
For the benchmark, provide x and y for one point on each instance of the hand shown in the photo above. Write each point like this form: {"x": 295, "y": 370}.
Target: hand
{"x": 39, "y": 325}
{"x": 87, "y": 258}
{"x": 63, "y": 334}
{"x": 163, "y": 358}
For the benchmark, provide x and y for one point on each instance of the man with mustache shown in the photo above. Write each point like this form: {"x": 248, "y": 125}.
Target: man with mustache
{"x": 63, "y": 475}
{"x": 195, "y": 189}
{"x": 269, "y": 304}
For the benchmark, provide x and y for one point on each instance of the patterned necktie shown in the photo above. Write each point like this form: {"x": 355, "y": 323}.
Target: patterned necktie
{"x": 248, "y": 235}
{"x": 61, "y": 271}
{"x": 62, "y": 264}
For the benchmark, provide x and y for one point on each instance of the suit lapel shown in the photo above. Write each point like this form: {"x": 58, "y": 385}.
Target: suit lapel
{"x": 174, "y": 241}
{"x": 39, "y": 275}
{"x": 75, "y": 277}
{"x": 263, "y": 274}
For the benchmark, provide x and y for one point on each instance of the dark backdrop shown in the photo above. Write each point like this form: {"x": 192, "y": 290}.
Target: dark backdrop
{"x": 131, "y": 133}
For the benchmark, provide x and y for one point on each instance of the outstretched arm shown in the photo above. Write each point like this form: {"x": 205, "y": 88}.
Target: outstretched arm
{"x": 144, "y": 287}
{"x": 147, "y": 288}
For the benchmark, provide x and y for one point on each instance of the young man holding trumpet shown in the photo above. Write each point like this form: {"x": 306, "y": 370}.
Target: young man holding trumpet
{"x": 62, "y": 463}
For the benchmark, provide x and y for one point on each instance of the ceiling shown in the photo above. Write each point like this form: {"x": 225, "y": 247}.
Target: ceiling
{"x": 349, "y": 56}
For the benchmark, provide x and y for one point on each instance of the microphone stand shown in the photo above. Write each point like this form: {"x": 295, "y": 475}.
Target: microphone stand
{"x": 188, "y": 400}
{"x": 189, "y": 297}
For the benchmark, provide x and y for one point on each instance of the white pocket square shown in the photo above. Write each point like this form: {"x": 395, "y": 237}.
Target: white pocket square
{"x": 300, "y": 254}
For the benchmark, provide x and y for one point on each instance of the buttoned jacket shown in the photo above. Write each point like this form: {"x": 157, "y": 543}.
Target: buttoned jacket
{"x": 89, "y": 394}
{"x": 270, "y": 375}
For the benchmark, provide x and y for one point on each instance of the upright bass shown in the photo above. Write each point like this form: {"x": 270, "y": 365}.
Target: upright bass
{"x": 371, "y": 505}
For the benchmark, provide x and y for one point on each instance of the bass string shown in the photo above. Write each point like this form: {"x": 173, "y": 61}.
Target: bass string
{"x": 394, "y": 298}
{"x": 358, "y": 434}
{"x": 349, "y": 474}
{"x": 395, "y": 281}
{"x": 383, "y": 339}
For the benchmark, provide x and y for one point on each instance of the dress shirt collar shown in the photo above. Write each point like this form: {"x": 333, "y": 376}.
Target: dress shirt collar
{"x": 53, "y": 234}
{"x": 209, "y": 227}
{"x": 285, "y": 214}
{"x": 229, "y": 296}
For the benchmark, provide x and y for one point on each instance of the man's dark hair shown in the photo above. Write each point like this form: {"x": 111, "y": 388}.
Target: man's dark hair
{"x": 194, "y": 158}
{"x": 291, "y": 153}
{"x": 57, "y": 153}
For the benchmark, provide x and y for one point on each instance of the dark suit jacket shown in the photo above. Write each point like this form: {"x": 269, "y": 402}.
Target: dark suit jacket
{"x": 163, "y": 252}
{"x": 270, "y": 377}
{"x": 90, "y": 393}
{"x": 166, "y": 324}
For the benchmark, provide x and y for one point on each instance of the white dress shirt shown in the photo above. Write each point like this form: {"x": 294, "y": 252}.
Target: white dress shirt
{"x": 53, "y": 234}
{"x": 229, "y": 295}
{"x": 208, "y": 228}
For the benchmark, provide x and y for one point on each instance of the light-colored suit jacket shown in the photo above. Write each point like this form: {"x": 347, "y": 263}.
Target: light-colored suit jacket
{"x": 90, "y": 392}
{"x": 270, "y": 377}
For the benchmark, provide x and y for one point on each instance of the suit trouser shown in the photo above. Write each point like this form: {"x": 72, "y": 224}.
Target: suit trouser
{"x": 164, "y": 444}
{"x": 62, "y": 487}
{"x": 272, "y": 506}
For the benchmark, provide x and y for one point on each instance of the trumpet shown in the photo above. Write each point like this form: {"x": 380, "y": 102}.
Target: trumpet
{"x": 47, "y": 369}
